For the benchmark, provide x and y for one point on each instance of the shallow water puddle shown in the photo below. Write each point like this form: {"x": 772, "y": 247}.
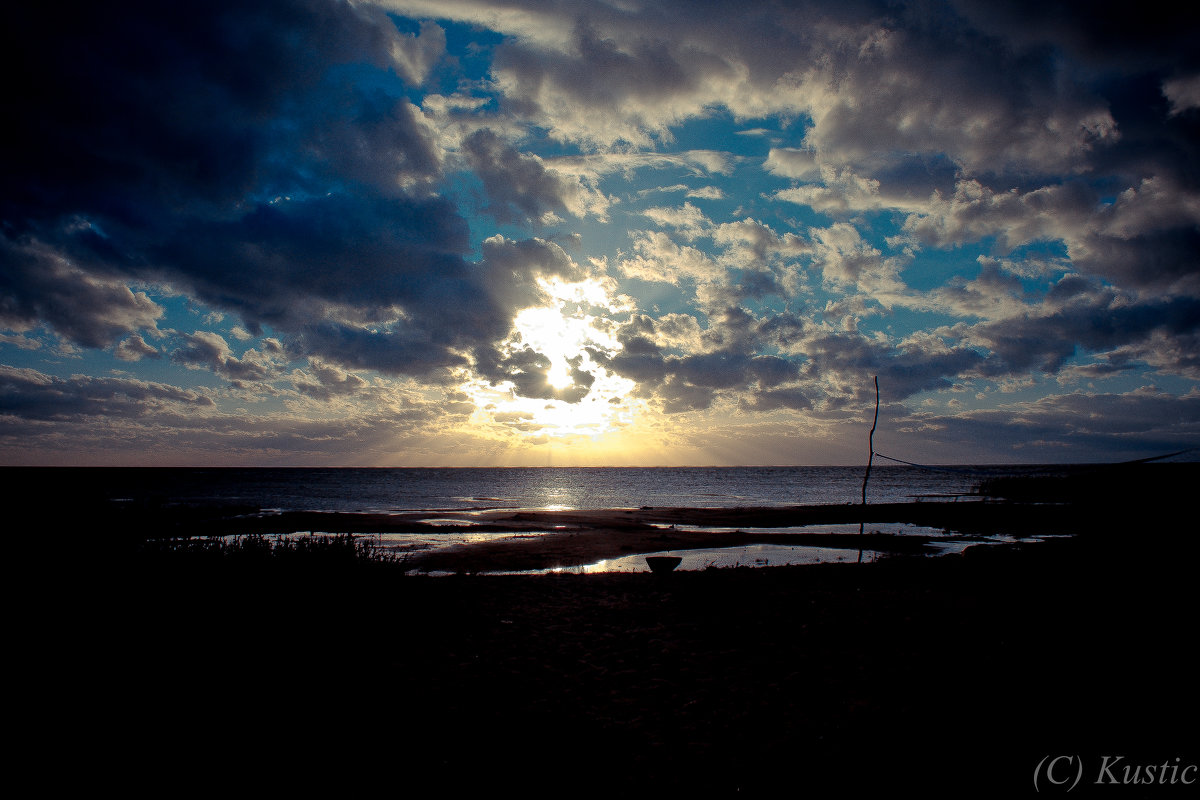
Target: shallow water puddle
{"x": 891, "y": 529}
{"x": 758, "y": 555}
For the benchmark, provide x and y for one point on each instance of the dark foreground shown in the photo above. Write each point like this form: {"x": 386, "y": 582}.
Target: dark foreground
{"x": 950, "y": 676}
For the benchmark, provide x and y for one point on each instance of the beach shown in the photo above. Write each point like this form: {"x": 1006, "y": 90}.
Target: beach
{"x": 949, "y": 674}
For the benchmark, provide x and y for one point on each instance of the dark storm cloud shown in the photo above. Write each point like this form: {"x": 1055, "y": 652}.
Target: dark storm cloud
{"x": 133, "y": 108}
{"x": 226, "y": 150}
{"x": 1092, "y": 321}
{"x": 1102, "y": 32}
{"x": 151, "y": 142}
{"x": 679, "y": 396}
{"x": 291, "y": 261}
{"x": 1156, "y": 261}
{"x": 39, "y": 285}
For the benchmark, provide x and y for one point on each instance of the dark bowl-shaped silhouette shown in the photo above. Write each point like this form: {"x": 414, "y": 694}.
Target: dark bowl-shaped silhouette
{"x": 661, "y": 565}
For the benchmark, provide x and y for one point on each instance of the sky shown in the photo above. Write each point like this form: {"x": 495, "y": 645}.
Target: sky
{"x": 622, "y": 232}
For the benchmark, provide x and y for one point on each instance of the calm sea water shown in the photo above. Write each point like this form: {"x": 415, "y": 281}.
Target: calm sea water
{"x": 391, "y": 490}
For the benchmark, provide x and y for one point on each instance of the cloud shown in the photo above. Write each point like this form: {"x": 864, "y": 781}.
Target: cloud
{"x": 106, "y": 421}
{"x": 325, "y": 381}
{"x": 39, "y": 285}
{"x": 947, "y": 195}
{"x": 592, "y": 167}
{"x": 520, "y": 187}
{"x": 689, "y": 220}
{"x": 135, "y": 348}
{"x": 839, "y": 365}
{"x": 1104, "y": 34}
{"x": 276, "y": 192}
{"x": 1079, "y": 426}
{"x": 450, "y": 318}
{"x": 707, "y": 193}
{"x": 874, "y": 80}
{"x": 770, "y": 400}
{"x": 659, "y": 259}
{"x": 31, "y": 395}
{"x": 528, "y": 372}
{"x": 416, "y": 55}
{"x": 20, "y": 342}
{"x": 791, "y": 162}
{"x": 752, "y": 260}
{"x": 685, "y": 367}
{"x": 1094, "y": 320}
{"x": 208, "y": 350}
{"x": 1183, "y": 92}
{"x": 839, "y": 192}
{"x": 995, "y": 293}
{"x": 749, "y": 240}
{"x": 1145, "y": 237}
{"x": 845, "y": 259}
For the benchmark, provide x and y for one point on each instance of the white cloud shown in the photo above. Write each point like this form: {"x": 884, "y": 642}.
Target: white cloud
{"x": 707, "y": 193}
{"x": 689, "y": 220}
{"x": 791, "y": 162}
{"x": 659, "y": 259}
{"x": 847, "y": 260}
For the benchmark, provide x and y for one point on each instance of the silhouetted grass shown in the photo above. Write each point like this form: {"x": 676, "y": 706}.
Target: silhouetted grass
{"x": 258, "y": 550}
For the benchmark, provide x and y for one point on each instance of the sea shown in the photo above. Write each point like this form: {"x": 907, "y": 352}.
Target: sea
{"x": 388, "y": 490}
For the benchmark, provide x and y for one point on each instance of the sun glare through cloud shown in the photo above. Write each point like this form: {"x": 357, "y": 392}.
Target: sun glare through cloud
{"x": 579, "y": 399}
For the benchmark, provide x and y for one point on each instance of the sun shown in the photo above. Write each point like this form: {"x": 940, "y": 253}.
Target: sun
{"x": 557, "y": 336}
{"x": 563, "y": 329}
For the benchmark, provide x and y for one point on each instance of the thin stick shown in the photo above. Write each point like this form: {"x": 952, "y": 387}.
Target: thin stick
{"x": 870, "y": 460}
{"x": 871, "y": 442}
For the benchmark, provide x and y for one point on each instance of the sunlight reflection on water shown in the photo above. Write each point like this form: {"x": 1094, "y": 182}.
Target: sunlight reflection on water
{"x": 758, "y": 555}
